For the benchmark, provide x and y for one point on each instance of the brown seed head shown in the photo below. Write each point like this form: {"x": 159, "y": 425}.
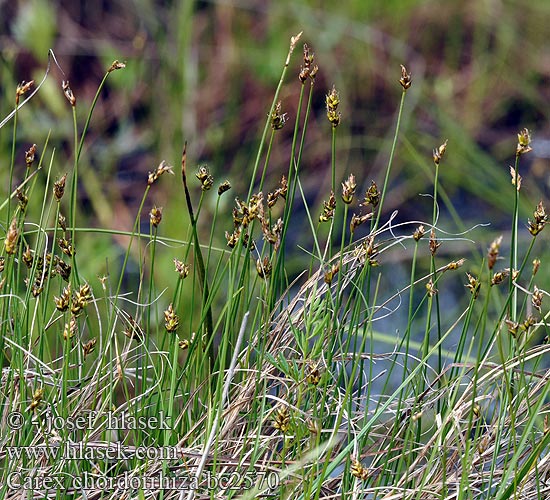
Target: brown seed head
{"x": 27, "y": 257}
{"x": 89, "y": 347}
{"x": 12, "y": 237}
{"x": 171, "y": 320}
{"x": 372, "y": 196}
{"x": 160, "y": 170}
{"x": 278, "y": 119}
{"x": 499, "y": 277}
{"x": 68, "y": 92}
{"x": 332, "y": 102}
{"x": 524, "y": 141}
{"x": 263, "y": 267}
{"x": 405, "y": 79}
{"x": 419, "y": 233}
{"x": 62, "y": 302}
{"x": 492, "y": 254}
{"x": 536, "y": 265}
{"x": 181, "y": 268}
{"x": 348, "y": 189}
{"x": 439, "y": 152}
{"x": 30, "y": 156}
{"x": 206, "y": 180}
{"x": 66, "y": 247}
{"x": 473, "y": 284}
{"x": 430, "y": 288}
{"x": 357, "y": 220}
{"x": 70, "y": 329}
{"x": 59, "y": 188}
{"x": 116, "y": 65}
{"x": 22, "y": 89}
{"x": 358, "y": 470}
{"x": 223, "y": 187}
{"x": 516, "y": 178}
{"x": 281, "y": 420}
{"x": 455, "y": 264}
{"x": 434, "y": 245}
{"x": 22, "y": 198}
{"x": 155, "y": 216}
{"x": 536, "y": 298}
{"x": 328, "y": 208}
{"x": 36, "y": 399}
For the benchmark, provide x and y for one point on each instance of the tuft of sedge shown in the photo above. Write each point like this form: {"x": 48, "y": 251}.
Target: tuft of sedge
{"x": 439, "y": 152}
{"x": 540, "y": 219}
{"x": 62, "y": 302}
{"x": 116, "y": 65}
{"x": 348, "y": 189}
{"x": 155, "y": 216}
{"x": 68, "y": 92}
{"x": 524, "y": 141}
{"x": 171, "y": 320}
{"x": 223, "y": 187}
{"x": 419, "y": 233}
{"x": 281, "y": 419}
{"x": 473, "y": 285}
{"x": 12, "y": 238}
{"x": 405, "y": 79}
{"x": 278, "y": 119}
{"x": 160, "y": 170}
{"x": 492, "y": 253}
{"x": 89, "y": 347}
{"x": 434, "y": 245}
{"x": 30, "y": 156}
{"x": 36, "y": 399}
{"x": 332, "y": 101}
{"x": 536, "y": 298}
{"x": 22, "y": 89}
{"x": 181, "y": 268}
{"x": 358, "y": 470}
{"x": 59, "y": 188}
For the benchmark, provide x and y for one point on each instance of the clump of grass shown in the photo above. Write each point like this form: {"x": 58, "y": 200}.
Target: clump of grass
{"x": 236, "y": 379}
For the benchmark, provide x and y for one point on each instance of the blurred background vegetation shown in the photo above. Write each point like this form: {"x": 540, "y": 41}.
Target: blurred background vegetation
{"x": 205, "y": 72}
